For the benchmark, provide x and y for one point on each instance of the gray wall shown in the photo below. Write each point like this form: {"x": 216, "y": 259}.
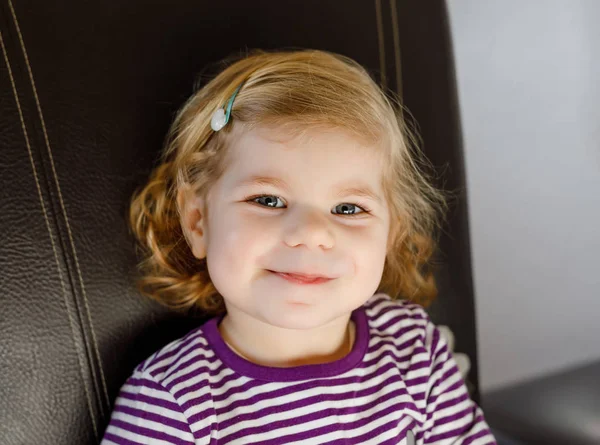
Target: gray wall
{"x": 528, "y": 76}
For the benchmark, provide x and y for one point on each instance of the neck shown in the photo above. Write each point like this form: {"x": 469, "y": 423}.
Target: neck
{"x": 328, "y": 346}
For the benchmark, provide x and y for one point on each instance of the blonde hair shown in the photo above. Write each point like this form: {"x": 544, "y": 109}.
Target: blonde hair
{"x": 297, "y": 91}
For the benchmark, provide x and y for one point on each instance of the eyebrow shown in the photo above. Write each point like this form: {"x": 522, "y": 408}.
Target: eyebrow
{"x": 362, "y": 190}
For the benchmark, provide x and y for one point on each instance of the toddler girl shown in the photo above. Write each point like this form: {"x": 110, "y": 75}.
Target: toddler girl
{"x": 289, "y": 206}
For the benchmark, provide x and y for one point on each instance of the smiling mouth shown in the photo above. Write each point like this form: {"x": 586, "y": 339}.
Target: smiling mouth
{"x": 301, "y": 278}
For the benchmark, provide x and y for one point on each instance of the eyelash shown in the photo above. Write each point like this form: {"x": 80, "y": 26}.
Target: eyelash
{"x": 364, "y": 209}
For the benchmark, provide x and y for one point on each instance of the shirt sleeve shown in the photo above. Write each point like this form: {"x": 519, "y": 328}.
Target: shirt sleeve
{"x": 451, "y": 416}
{"x": 146, "y": 412}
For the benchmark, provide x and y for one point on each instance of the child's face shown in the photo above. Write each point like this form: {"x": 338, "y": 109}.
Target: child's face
{"x": 301, "y": 228}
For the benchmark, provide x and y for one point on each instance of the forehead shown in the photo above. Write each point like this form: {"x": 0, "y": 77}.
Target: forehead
{"x": 323, "y": 158}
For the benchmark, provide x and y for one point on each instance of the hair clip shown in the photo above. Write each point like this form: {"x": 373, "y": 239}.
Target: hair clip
{"x": 220, "y": 117}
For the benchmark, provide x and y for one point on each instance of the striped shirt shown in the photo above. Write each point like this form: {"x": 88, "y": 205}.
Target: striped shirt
{"x": 398, "y": 380}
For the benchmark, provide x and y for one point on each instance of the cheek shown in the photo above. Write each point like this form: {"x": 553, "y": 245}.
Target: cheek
{"x": 370, "y": 254}
{"x": 233, "y": 243}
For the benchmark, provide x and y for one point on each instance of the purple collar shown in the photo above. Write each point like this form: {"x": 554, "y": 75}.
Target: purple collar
{"x": 304, "y": 372}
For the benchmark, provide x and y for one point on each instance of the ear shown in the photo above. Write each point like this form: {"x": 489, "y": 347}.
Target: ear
{"x": 192, "y": 220}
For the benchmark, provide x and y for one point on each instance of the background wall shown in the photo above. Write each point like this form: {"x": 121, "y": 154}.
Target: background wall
{"x": 528, "y": 74}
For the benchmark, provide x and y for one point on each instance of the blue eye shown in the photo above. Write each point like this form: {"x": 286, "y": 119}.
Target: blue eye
{"x": 346, "y": 208}
{"x": 269, "y": 200}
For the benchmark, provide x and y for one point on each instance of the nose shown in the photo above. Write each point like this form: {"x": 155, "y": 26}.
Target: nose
{"x": 309, "y": 227}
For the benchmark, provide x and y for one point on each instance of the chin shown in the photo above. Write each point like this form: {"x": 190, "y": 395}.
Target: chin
{"x": 292, "y": 314}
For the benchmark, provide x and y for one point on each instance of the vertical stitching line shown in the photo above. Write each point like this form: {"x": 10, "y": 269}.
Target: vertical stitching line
{"x": 85, "y": 299}
{"x": 14, "y": 89}
{"x": 380, "y": 42}
{"x": 396, "y": 46}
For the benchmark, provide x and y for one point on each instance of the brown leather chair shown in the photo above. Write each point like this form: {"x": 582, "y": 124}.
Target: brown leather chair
{"x": 88, "y": 90}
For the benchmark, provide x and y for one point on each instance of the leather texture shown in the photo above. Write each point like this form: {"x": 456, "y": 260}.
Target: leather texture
{"x": 88, "y": 90}
{"x": 561, "y": 408}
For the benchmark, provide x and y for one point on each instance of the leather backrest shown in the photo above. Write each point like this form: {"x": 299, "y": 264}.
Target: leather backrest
{"x": 88, "y": 90}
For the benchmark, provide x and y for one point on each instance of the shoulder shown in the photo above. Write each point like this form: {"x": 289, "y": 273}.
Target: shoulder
{"x": 396, "y": 317}
{"x": 177, "y": 359}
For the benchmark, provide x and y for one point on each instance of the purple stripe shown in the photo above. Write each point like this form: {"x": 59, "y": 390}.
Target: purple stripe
{"x": 119, "y": 440}
{"x": 318, "y": 414}
{"x": 454, "y": 433}
{"x": 140, "y": 414}
{"x": 147, "y": 432}
{"x": 417, "y": 381}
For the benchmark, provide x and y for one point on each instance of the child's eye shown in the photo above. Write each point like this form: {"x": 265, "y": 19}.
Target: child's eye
{"x": 346, "y": 208}
{"x": 268, "y": 200}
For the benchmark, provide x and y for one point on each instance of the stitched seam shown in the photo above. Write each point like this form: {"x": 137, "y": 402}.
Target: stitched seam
{"x": 380, "y": 42}
{"x": 396, "y": 46}
{"x": 37, "y": 183}
{"x": 62, "y": 205}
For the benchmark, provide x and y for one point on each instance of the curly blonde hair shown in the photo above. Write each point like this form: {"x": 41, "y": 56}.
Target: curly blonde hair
{"x": 297, "y": 91}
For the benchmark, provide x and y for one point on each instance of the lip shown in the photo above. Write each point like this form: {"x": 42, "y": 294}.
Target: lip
{"x": 302, "y": 278}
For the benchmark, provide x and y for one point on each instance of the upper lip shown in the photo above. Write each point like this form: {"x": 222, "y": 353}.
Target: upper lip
{"x": 303, "y": 275}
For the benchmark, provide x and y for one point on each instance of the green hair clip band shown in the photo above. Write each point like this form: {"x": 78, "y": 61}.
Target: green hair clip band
{"x": 220, "y": 117}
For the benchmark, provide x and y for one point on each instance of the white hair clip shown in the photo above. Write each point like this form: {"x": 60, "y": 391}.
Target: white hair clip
{"x": 220, "y": 117}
